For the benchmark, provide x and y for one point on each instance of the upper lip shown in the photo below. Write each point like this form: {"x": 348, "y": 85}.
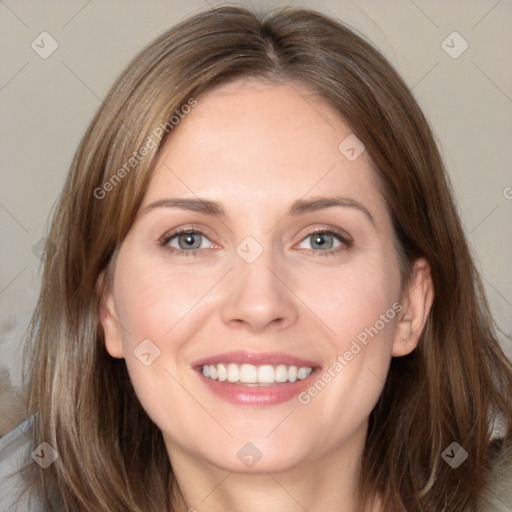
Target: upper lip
{"x": 255, "y": 358}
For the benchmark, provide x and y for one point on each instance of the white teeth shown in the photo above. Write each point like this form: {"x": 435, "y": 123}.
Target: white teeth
{"x": 233, "y": 373}
{"x": 266, "y": 374}
{"x": 248, "y": 374}
{"x": 222, "y": 373}
{"x": 281, "y": 373}
{"x": 251, "y": 374}
{"x": 303, "y": 373}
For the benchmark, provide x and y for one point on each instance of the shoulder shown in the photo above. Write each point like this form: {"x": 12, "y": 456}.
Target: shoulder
{"x": 498, "y": 494}
{"x": 15, "y": 455}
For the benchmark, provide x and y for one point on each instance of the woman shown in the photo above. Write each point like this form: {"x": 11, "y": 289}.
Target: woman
{"x": 258, "y": 294}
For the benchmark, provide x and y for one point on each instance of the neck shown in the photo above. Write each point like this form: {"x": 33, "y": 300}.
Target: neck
{"x": 329, "y": 483}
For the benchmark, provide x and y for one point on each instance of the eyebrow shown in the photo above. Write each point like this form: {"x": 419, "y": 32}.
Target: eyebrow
{"x": 299, "y": 207}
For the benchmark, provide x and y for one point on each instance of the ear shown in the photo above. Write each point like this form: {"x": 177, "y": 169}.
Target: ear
{"x": 108, "y": 320}
{"x": 417, "y": 298}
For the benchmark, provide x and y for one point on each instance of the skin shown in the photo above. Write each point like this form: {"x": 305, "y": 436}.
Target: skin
{"x": 257, "y": 148}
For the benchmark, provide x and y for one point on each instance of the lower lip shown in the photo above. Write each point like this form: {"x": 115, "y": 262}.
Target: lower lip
{"x": 239, "y": 394}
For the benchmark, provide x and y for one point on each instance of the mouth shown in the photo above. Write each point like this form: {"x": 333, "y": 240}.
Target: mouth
{"x": 256, "y": 379}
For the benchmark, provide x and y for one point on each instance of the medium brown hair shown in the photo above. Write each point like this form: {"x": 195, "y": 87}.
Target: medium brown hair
{"x": 111, "y": 455}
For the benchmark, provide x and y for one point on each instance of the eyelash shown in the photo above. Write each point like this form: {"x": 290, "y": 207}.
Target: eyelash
{"x": 167, "y": 237}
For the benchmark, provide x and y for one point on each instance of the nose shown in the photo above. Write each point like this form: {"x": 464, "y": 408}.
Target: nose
{"x": 258, "y": 296}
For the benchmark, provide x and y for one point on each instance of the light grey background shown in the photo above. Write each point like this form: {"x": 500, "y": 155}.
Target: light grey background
{"x": 46, "y": 104}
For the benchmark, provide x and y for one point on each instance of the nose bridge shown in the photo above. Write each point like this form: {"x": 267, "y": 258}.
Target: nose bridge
{"x": 256, "y": 295}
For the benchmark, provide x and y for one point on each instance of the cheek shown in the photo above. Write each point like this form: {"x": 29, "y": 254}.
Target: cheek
{"x": 156, "y": 300}
{"x": 356, "y": 301}
{"x": 360, "y": 307}
{"x": 156, "y": 309}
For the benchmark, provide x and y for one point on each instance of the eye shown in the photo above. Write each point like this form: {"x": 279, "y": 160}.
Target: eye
{"x": 327, "y": 241}
{"x": 184, "y": 241}
{"x": 190, "y": 242}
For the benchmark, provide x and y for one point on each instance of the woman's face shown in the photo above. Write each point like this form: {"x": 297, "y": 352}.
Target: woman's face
{"x": 293, "y": 300}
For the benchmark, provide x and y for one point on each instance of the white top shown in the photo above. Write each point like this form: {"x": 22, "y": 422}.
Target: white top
{"x": 15, "y": 452}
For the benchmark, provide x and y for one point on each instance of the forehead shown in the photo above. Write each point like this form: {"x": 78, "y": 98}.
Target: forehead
{"x": 272, "y": 144}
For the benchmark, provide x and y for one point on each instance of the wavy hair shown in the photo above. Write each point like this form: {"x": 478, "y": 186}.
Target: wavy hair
{"x": 451, "y": 388}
